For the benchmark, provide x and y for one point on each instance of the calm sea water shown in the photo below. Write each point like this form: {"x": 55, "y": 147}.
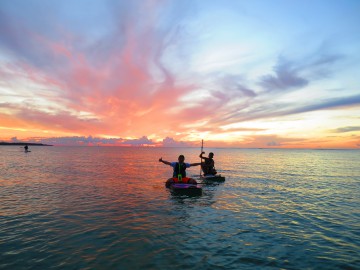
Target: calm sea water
{"x": 107, "y": 208}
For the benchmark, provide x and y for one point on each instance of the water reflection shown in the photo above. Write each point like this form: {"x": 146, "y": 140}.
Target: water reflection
{"x": 107, "y": 207}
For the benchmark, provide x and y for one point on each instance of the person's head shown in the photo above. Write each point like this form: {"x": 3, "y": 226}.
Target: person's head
{"x": 181, "y": 158}
{"x": 211, "y": 155}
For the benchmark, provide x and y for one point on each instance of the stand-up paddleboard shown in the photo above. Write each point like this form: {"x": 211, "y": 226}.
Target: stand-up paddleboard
{"x": 209, "y": 178}
{"x": 186, "y": 186}
{"x": 185, "y": 189}
{"x": 213, "y": 178}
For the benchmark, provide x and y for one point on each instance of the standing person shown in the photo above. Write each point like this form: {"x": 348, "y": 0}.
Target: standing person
{"x": 26, "y": 147}
{"x": 208, "y": 166}
{"x": 179, "y": 174}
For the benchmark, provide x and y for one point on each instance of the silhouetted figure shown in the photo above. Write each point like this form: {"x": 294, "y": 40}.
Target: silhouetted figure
{"x": 208, "y": 166}
{"x": 179, "y": 174}
{"x": 26, "y": 147}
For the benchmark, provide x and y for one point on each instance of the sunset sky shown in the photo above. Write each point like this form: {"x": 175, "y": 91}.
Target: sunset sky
{"x": 235, "y": 73}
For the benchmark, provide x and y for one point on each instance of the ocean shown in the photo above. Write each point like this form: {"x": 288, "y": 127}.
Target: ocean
{"x": 107, "y": 208}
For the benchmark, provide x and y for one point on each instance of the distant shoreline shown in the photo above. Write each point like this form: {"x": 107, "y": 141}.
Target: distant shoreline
{"x": 24, "y": 143}
{"x": 164, "y": 147}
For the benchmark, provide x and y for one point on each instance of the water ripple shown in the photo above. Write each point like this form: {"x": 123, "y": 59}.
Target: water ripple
{"x": 93, "y": 208}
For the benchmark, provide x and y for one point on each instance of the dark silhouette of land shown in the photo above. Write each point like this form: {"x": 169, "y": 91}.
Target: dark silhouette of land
{"x": 24, "y": 143}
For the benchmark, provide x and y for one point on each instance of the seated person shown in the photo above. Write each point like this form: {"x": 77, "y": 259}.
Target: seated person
{"x": 179, "y": 174}
{"x": 208, "y": 166}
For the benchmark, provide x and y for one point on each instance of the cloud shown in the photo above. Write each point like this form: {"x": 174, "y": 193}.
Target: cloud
{"x": 321, "y": 63}
{"x": 273, "y": 143}
{"x": 77, "y": 140}
{"x": 14, "y": 139}
{"x": 296, "y": 74}
{"x": 116, "y": 141}
{"x": 126, "y": 68}
{"x": 170, "y": 142}
{"x": 286, "y": 77}
{"x": 265, "y": 141}
{"x": 235, "y": 85}
{"x": 139, "y": 142}
{"x": 234, "y": 101}
{"x": 271, "y": 110}
{"x": 347, "y": 129}
{"x": 90, "y": 140}
{"x": 29, "y": 116}
{"x": 227, "y": 129}
{"x": 121, "y": 75}
{"x": 329, "y": 103}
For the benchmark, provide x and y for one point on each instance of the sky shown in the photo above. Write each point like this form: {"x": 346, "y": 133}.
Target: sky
{"x": 239, "y": 73}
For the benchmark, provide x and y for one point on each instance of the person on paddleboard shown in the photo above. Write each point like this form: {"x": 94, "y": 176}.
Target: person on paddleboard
{"x": 179, "y": 174}
{"x": 208, "y": 166}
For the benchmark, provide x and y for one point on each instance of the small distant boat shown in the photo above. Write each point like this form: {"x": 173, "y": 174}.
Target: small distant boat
{"x": 185, "y": 189}
{"x": 213, "y": 178}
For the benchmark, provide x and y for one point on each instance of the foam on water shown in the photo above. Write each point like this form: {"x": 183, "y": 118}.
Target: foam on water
{"x": 107, "y": 208}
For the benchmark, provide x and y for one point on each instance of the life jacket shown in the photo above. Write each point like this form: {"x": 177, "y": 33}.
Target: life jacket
{"x": 184, "y": 180}
{"x": 179, "y": 169}
{"x": 209, "y": 162}
{"x": 208, "y": 166}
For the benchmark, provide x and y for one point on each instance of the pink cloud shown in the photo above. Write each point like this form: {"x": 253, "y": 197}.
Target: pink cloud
{"x": 118, "y": 90}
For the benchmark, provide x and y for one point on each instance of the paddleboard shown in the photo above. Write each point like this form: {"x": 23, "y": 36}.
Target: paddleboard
{"x": 213, "y": 178}
{"x": 185, "y": 189}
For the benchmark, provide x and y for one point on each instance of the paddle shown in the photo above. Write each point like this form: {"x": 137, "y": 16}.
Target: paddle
{"x": 202, "y": 146}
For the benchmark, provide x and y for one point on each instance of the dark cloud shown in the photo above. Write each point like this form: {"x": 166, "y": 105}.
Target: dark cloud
{"x": 224, "y": 93}
{"x": 14, "y": 139}
{"x": 286, "y": 77}
{"x": 91, "y": 140}
{"x": 170, "y": 142}
{"x": 347, "y": 129}
{"x": 320, "y": 63}
{"x": 268, "y": 110}
{"x": 8, "y": 105}
{"x": 326, "y": 104}
{"x": 77, "y": 140}
{"x": 235, "y": 102}
{"x": 292, "y": 74}
{"x": 235, "y": 85}
{"x": 324, "y": 60}
{"x": 273, "y": 143}
{"x": 139, "y": 142}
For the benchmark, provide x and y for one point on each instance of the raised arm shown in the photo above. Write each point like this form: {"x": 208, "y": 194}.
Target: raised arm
{"x": 164, "y": 161}
{"x": 201, "y": 156}
{"x": 194, "y": 164}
